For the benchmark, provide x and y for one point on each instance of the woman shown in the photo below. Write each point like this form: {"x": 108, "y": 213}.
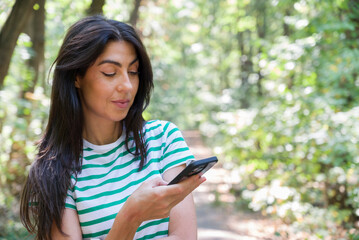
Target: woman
{"x": 101, "y": 170}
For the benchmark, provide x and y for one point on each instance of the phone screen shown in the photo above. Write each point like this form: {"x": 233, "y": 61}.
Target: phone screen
{"x": 195, "y": 167}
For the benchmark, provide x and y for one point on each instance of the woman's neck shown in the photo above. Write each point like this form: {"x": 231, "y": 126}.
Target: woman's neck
{"x": 101, "y": 134}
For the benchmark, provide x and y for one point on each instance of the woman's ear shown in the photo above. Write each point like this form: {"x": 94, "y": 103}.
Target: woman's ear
{"x": 77, "y": 82}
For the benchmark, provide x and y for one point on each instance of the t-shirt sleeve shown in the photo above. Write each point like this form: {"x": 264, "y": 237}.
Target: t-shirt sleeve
{"x": 176, "y": 151}
{"x": 70, "y": 200}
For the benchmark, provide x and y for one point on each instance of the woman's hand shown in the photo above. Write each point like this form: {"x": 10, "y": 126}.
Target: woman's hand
{"x": 155, "y": 199}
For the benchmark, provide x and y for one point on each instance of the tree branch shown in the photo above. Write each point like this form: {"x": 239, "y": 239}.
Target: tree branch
{"x": 10, "y": 32}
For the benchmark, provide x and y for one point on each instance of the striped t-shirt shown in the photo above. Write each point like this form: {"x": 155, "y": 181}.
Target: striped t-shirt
{"x": 110, "y": 175}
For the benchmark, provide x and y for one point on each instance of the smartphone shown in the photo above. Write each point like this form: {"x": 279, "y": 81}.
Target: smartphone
{"x": 195, "y": 167}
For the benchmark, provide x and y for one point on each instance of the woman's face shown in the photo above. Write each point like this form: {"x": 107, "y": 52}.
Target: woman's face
{"x": 109, "y": 86}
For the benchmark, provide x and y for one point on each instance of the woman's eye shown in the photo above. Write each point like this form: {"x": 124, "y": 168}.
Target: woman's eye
{"x": 133, "y": 73}
{"x": 109, "y": 74}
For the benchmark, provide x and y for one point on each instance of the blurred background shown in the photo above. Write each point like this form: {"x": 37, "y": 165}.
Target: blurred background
{"x": 270, "y": 86}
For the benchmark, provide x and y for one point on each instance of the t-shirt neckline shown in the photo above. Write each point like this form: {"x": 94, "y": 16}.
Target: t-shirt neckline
{"x": 105, "y": 147}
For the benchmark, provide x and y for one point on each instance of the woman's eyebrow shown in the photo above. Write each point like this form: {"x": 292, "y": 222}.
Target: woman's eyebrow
{"x": 110, "y": 61}
{"x": 116, "y": 63}
{"x": 135, "y": 60}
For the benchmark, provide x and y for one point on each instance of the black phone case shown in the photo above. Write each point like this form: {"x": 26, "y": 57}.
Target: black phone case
{"x": 195, "y": 167}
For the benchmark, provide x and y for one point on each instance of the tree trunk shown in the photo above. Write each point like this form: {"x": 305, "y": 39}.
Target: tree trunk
{"x": 353, "y": 11}
{"x": 286, "y": 27}
{"x": 10, "y": 32}
{"x": 96, "y": 7}
{"x": 245, "y": 65}
{"x": 36, "y": 31}
{"x": 135, "y": 13}
{"x": 261, "y": 32}
{"x": 18, "y": 158}
{"x": 353, "y": 37}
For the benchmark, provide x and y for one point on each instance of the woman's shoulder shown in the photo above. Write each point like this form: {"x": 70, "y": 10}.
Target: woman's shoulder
{"x": 159, "y": 126}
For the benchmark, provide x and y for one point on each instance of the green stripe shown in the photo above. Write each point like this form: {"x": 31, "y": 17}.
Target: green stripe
{"x": 179, "y": 139}
{"x": 172, "y": 131}
{"x": 91, "y": 157}
{"x": 117, "y": 179}
{"x": 124, "y": 199}
{"x": 96, "y": 234}
{"x": 123, "y": 153}
{"x": 70, "y": 196}
{"x": 71, "y": 189}
{"x": 108, "y": 193}
{"x": 166, "y": 126}
{"x": 91, "y": 177}
{"x": 151, "y": 236}
{"x": 176, "y": 162}
{"x": 98, "y": 220}
{"x": 86, "y": 166}
{"x": 67, "y": 205}
{"x": 152, "y": 128}
{"x": 177, "y": 150}
{"x": 103, "y": 206}
{"x": 112, "y": 180}
{"x": 154, "y": 137}
{"x": 165, "y": 232}
{"x": 153, "y": 223}
{"x": 109, "y": 163}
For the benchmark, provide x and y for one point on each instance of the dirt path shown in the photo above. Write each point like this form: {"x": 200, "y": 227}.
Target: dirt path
{"x": 221, "y": 221}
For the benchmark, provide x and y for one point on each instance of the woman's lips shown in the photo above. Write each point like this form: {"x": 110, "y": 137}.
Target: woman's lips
{"x": 122, "y": 103}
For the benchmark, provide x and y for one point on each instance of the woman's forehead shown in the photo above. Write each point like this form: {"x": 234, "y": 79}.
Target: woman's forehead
{"x": 117, "y": 51}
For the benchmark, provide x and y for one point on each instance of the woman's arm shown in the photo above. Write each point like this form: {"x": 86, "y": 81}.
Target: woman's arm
{"x": 70, "y": 225}
{"x": 183, "y": 221}
{"x": 124, "y": 227}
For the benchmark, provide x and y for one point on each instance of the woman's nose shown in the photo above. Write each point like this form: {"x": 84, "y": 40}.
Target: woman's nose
{"x": 124, "y": 83}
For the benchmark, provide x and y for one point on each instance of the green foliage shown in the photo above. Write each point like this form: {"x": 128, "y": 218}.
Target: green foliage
{"x": 10, "y": 227}
{"x": 295, "y": 148}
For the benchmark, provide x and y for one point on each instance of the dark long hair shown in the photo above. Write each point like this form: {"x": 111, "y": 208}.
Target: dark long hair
{"x": 60, "y": 149}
